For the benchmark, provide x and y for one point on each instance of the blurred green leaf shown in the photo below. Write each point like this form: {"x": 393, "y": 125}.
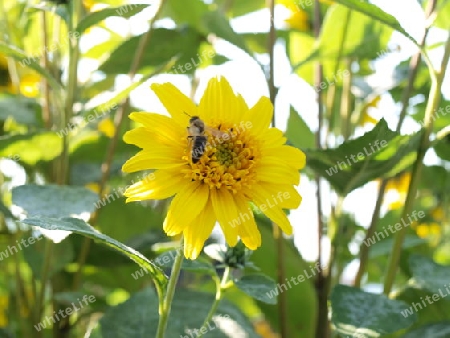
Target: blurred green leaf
{"x": 20, "y": 108}
{"x": 138, "y": 317}
{"x": 80, "y": 227}
{"x": 115, "y": 213}
{"x": 384, "y": 247}
{"x": 176, "y": 9}
{"x": 181, "y": 44}
{"x": 443, "y": 15}
{"x": 377, "y": 14}
{"x": 378, "y": 153}
{"x": 259, "y": 287}
{"x": 238, "y": 8}
{"x": 94, "y": 18}
{"x": 62, "y": 254}
{"x": 298, "y": 132}
{"x": 435, "y": 330}
{"x": 429, "y": 275}
{"x": 54, "y": 200}
{"x": 350, "y": 308}
{"x": 218, "y": 24}
{"x": 431, "y": 313}
{"x": 31, "y": 148}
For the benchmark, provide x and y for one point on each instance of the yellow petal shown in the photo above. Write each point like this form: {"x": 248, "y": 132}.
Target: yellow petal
{"x": 163, "y": 128}
{"x": 176, "y": 103}
{"x": 272, "y": 137}
{"x": 226, "y": 213}
{"x": 146, "y": 138}
{"x": 158, "y": 185}
{"x": 219, "y": 102}
{"x": 185, "y": 207}
{"x": 270, "y": 169}
{"x": 292, "y": 156}
{"x": 260, "y": 115}
{"x": 247, "y": 230}
{"x": 285, "y": 196}
{"x": 196, "y": 233}
{"x": 158, "y": 157}
{"x": 269, "y": 207}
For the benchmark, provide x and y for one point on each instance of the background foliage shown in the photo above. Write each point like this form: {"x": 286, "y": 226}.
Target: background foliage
{"x": 67, "y": 70}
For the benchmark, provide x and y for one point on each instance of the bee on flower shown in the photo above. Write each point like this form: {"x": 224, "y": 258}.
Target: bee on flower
{"x": 238, "y": 159}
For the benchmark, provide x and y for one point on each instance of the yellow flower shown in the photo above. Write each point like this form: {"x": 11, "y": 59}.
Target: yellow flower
{"x": 247, "y": 162}
{"x": 298, "y": 18}
{"x": 399, "y": 185}
{"x": 29, "y": 85}
{"x": 365, "y": 117}
{"x": 106, "y": 126}
{"x": 425, "y": 230}
{"x": 3, "y": 310}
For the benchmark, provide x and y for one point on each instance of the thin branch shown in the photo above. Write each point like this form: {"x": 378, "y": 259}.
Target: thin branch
{"x": 413, "y": 69}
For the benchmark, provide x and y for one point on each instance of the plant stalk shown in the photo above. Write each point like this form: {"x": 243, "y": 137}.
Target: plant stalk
{"x": 437, "y": 78}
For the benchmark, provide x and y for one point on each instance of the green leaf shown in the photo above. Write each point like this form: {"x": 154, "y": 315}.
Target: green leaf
{"x": 435, "y": 330}
{"x": 31, "y": 148}
{"x": 443, "y": 14}
{"x": 259, "y": 287}
{"x": 80, "y": 227}
{"x": 429, "y": 275}
{"x": 115, "y": 212}
{"x": 138, "y": 317}
{"x": 384, "y": 247}
{"x": 218, "y": 24}
{"x": 379, "y": 153}
{"x": 377, "y": 14}
{"x": 298, "y": 132}
{"x": 431, "y": 313}
{"x": 364, "y": 38}
{"x": 180, "y": 44}
{"x": 30, "y": 62}
{"x": 442, "y": 148}
{"x": 176, "y": 9}
{"x": 21, "y": 109}
{"x": 54, "y": 200}
{"x": 356, "y": 313}
{"x": 238, "y": 8}
{"x": 62, "y": 254}
{"x": 94, "y": 18}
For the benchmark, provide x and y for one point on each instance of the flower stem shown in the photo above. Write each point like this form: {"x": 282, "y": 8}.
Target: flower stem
{"x": 221, "y": 287}
{"x": 166, "y": 304}
{"x": 437, "y": 78}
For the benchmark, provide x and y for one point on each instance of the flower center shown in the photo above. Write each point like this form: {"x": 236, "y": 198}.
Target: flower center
{"x": 228, "y": 160}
